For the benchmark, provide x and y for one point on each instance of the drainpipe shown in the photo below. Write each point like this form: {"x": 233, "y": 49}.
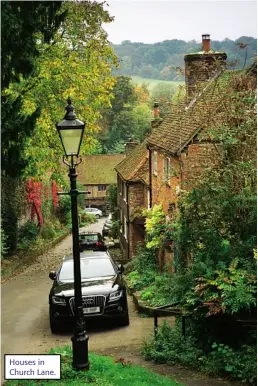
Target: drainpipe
{"x": 127, "y": 220}
{"x": 150, "y": 176}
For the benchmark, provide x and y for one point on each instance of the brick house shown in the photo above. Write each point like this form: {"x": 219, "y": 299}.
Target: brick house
{"x": 133, "y": 196}
{"x": 177, "y": 150}
{"x": 179, "y": 147}
{"x": 96, "y": 173}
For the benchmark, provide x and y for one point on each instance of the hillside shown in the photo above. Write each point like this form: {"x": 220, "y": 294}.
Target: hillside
{"x": 151, "y": 83}
{"x": 159, "y": 60}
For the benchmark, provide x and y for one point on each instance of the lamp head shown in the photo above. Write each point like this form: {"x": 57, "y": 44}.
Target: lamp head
{"x": 70, "y": 131}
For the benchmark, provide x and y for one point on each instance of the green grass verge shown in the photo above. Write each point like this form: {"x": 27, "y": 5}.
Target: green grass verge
{"x": 153, "y": 82}
{"x": 104, "y": 371}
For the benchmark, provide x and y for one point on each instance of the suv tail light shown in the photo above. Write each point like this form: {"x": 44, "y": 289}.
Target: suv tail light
{"x": 99, "y": 244}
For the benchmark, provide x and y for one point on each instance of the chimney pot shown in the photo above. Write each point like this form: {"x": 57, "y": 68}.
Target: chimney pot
{"x": 206, "y": 42}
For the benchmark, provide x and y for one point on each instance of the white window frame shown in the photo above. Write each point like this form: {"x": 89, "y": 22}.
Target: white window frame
{"x": 148, "y": 198}
{"x": 121, "y": 221}
{"x": 120, "y": 186}
{"x": 124, "y": 191}
{"x": 155, "y": 163}
{"x": 125, "y": 228}
{"x": 167, "y": 170}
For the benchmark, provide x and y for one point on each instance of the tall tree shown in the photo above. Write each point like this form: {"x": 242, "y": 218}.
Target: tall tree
{"x": 77, "y": 65}
{"x": 21, "y": 21}
{"x": 116, "y": 119}
{"x": 74, "y": 59}
{"x": 163, "y": 93}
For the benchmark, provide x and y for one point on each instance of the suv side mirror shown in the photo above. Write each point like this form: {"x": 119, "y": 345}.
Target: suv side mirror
{"x": 120, "y": 268}
{"x": 52, "y": 275}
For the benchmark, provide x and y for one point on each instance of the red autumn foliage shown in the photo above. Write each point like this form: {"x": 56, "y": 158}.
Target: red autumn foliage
{"x": 34, "y": 193}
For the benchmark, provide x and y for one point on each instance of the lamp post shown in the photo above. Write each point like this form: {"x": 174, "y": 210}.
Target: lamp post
{"x": 71, "y": 131}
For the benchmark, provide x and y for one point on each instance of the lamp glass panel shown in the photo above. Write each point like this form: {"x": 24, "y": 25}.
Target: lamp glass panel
{"x": 71, "y": 140}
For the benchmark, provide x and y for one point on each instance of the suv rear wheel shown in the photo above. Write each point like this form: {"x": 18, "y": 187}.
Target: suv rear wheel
{"x": 97, "y": 215}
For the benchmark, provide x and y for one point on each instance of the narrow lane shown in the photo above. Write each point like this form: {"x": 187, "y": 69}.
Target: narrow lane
{"x": 25, "y": 325}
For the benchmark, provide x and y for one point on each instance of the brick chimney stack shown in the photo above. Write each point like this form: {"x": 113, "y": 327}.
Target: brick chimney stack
{"x": 156, "y": 121}
{"x": 206, "y": 42}
{"x": 130, "y": 145}
{"x": 156, "y": 110}
{"x": 201, "y": 66}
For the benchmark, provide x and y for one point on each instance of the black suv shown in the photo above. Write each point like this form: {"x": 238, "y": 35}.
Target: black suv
{"x": 92, "y": 241}
{"x": 103, "y": 290}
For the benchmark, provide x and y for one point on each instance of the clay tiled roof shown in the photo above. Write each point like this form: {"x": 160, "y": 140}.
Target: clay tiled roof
{"x": 135, "y": 166}
{"x": 99, "y": 169}
{"x": 186, "y": 120}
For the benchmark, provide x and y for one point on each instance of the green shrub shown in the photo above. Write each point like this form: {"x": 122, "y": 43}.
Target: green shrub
{"x": 169, "y": 346}
{"x": 159, "y": 288}
{"x": 145, "y": 259}
{"x": 138, "y": 281}
{"x": 115, "y": 229}
{"x": 29, "y": 230}
{"x": 239, "y": 363}
{"x": 68, "y": 217}
{"x": 90, "y": 218}
{"x": 63, "y": 210}
{"x": 27, "y": 234}
{"x": 48, "y": 232}
{"x": 3, "y": 241}
{"x": 87, "y": 218}
{"x": 153, "y": 296}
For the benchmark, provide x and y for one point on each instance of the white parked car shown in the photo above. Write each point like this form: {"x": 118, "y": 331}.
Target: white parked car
{"x": 95, "y": 211}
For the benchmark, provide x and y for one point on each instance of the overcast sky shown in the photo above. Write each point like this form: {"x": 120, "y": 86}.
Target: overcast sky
{"x": 154, "y": 21}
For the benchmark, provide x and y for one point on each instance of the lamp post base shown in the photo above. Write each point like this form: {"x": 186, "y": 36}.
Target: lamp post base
{"x": 80, "y": 351}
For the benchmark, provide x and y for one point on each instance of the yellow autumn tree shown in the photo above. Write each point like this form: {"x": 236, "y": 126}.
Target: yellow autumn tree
{"x": 77, "y": 63}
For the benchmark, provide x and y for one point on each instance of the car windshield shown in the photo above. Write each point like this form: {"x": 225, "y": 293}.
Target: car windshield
{"x": 90, "y": 269}
{"x": 88, "y": 237}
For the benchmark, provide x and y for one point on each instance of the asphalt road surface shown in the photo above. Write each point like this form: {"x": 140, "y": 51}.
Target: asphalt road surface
{"x": 25, "y": 324}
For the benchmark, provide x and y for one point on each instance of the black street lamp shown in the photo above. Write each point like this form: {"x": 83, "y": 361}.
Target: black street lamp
{"x": 71, "y": 131}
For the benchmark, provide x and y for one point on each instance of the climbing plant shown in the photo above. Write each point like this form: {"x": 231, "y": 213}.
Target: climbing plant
{"x": 159, "y": 230}
{"x": 34, "y": 197}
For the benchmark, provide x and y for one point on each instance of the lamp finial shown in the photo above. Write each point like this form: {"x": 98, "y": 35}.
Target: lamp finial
{"x": 70, "y": 115}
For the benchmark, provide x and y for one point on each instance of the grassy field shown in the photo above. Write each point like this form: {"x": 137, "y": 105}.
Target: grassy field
{"x": 154, "y": 82}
